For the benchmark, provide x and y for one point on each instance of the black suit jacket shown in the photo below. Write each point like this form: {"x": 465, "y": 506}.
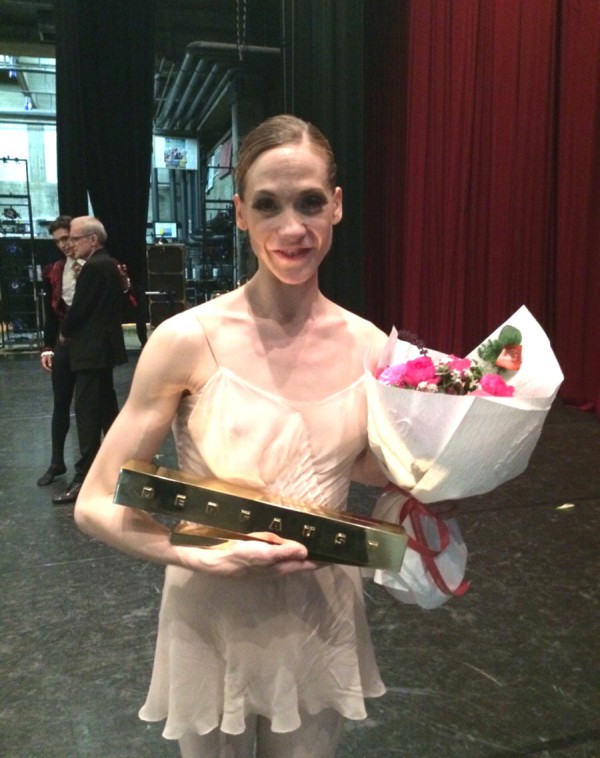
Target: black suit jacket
{"x": 93, "y": 322}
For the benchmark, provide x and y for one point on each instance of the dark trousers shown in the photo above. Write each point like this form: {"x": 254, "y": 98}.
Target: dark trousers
{"x": 63, "y": 386}
{"x": 96, "y": 407}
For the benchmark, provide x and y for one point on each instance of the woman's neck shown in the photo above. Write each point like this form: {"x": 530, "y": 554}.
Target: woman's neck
{"x": 269, "y": 298}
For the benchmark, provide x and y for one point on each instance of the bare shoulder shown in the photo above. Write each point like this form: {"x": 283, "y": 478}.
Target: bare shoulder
{"x": 178, "y": 352}
{"x": 352, "y": 337}
{"x": 363, "y": 330}
{"x": 184, "y": 328}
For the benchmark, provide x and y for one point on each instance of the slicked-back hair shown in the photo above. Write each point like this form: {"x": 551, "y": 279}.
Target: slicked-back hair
{"x": 276, "y": 132}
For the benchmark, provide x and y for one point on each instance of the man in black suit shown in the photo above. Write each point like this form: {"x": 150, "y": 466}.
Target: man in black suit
{"x": 92, "y": 329}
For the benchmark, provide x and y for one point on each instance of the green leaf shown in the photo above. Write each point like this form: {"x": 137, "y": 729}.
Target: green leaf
{"x": 509, "y": 335}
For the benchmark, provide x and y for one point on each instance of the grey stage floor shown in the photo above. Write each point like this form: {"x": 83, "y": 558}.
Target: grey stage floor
{"x": 510, "y": 669}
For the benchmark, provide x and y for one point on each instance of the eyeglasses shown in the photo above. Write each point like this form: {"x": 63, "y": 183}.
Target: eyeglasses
{"x": 80, "y": 237}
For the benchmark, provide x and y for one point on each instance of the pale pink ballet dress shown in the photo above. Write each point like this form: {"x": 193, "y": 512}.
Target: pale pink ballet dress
{"x": 228, "y": 647}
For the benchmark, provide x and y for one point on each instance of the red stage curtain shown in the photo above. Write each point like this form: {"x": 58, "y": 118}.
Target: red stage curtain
{"x": 482, "y": 173}
{"x": 577, "y": 286}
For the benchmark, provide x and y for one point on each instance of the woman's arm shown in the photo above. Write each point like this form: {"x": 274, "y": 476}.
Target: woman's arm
{"x": 176, "y": 358}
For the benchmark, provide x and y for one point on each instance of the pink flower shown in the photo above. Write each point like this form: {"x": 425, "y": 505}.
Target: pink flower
{"x": 420, "y": 370}
{"x": 458, "y": 364}
{"x": 392, "y": 375}
{"x": 410, "y": 374}
{"x": 493, "y": 384}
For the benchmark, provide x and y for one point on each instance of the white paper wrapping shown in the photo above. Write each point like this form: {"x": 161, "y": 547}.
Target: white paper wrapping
{"x": 413, "y": 584}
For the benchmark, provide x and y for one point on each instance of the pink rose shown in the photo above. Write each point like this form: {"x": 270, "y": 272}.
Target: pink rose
{"x": 493, "y": 384}
{"x": 458, "y": 364}
{"x": 419, "y": 370}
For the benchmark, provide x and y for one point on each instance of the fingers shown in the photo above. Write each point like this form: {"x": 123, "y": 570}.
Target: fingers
{"x": 272, "y": 556}
{"x": 271, "y": 552}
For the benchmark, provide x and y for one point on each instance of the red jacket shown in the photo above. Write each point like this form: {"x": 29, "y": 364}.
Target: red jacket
{"x": 55, "y": 305}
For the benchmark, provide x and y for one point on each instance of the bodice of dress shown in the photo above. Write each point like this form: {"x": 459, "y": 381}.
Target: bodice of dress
{"x": 303, "y": 451}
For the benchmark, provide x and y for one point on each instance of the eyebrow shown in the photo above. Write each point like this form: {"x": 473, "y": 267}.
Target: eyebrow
{"x": 307, "y": 191}
{"x": 264, "y": 192}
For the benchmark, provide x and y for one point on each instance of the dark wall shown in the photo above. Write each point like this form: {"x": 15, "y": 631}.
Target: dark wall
{"x": 104, "y": 89}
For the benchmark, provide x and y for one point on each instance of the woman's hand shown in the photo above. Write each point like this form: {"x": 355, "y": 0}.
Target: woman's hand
{"x": 268, "y": 556}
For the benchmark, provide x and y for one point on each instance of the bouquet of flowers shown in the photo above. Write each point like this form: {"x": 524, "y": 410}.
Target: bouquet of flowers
{"x": 445, "y": 428}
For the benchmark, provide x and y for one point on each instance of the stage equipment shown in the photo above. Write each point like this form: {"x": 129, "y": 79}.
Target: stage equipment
{"x": 166, "y": 281}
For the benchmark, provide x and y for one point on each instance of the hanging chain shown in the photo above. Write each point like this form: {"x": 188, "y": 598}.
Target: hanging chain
{"x": 241, "y": 12}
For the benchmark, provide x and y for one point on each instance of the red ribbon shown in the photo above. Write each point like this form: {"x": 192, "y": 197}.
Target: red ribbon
{"x": 415, "y": 511}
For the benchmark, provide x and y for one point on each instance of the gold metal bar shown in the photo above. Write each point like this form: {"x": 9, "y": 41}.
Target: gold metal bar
{"x": 231, "y": 512}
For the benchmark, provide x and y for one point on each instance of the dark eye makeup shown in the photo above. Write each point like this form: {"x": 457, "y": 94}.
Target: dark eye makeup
{"x": 264, "y": 204}
{"x": 313, "y": 202}
{"x": 310, "y": 202}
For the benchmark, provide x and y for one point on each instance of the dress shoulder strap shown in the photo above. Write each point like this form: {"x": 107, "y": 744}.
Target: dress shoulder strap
{"x": 208, "y": 342}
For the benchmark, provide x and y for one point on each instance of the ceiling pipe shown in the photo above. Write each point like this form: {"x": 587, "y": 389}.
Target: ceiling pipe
{"x": 208, "y": 82}
{"x": 171, "y": 110}
{"x": 191, "y": 87}
{"x": 209, "y": 109}
{"x": 161, "y": 97}
{"x": 28, "y": 69}
{"x": 219, "y": 92}
{"x": 201, "y": 47}
{"x": 176, "y": 89}
{"x": 230, "y": 47}
{"x": 23, "y": 117}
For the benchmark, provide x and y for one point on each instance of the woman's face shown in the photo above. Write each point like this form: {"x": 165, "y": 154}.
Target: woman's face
{"x": 289, "y": 211}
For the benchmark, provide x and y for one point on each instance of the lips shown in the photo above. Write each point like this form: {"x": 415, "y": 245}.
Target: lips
{"x": 292, "y": 254}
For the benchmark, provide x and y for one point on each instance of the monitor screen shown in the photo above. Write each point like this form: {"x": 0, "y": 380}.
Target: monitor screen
{"x": 176, "y": 153}
{"x": 165, "y": 230}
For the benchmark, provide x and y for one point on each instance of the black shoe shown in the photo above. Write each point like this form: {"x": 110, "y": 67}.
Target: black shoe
{"x": 69, "y": 495}
{"x": 50, "y": 475}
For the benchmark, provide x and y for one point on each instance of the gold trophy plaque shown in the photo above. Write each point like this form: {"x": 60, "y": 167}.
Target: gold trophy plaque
{"x": 221, "y": 511}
